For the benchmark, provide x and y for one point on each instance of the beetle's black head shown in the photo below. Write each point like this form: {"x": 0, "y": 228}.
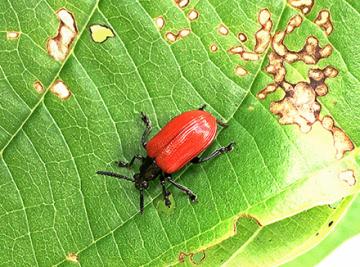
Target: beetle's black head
{"x": 140, "y": 182}
{"x": 148, "y": 171}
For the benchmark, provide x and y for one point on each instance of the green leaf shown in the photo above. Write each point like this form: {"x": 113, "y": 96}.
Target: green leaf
{"x": 276, "y": 243}
{"x": 55, "y": 209}
{"x": 343, "y": 231}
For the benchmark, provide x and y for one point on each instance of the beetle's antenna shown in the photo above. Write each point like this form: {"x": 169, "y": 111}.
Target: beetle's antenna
{"x": 141, "y": 201}
{"x": 116, "y": 175}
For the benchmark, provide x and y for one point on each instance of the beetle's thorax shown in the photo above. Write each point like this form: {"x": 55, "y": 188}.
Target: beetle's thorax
{"x": 149, "y": 170}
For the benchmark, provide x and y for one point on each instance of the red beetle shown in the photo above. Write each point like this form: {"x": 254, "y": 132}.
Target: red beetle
{"x": 180, "y": 141}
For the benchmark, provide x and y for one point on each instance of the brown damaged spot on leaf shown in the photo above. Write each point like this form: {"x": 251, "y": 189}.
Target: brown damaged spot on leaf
{"x": 242, "y": 37}
{"x": 311, "y": 53}
{"x": 12, "y": 35}
{"x": 100, "y": 33}
{"x": 39, "y": 87}
{"x": 198, "y": 256}
{"x": 300, "y": 105}
{"x": 223, "y": 30}
{"x": 293, "y": 23}
{"x": 172, "y": 37}
{"x": 60, "y": 90}
{"x": 244, "y": 55}
{"x": 73, "y": 257}
{"x": 240, "y": 71}
{"x": 263, "y": 36}
{"x": 323, "y": 20}
{"x": 184, "y": 32}
{"x": 182, "y": 256}
{"x": 247, "y": 216}
{"x": 348, "y": 176}
{"x": 59, "y": 46}
{"x": 304, "y": 6}
{"x": 195, "y": 258}
{"x": 182, "y": 3}
{"x": 193, "y": 15}
{"x": 342, "y": 142}
{"x": 160, "y": 22}
{"x": 213, "y": 48}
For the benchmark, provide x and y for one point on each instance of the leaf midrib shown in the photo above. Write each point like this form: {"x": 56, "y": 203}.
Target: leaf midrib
{"x": 249, "y": 91}
{"x": 231, "y": 116}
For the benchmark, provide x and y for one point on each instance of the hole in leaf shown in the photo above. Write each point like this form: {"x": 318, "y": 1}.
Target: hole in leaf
{"x": 323, "y": 20}
{"x": 60, "y": 90}
{"x": 242, "y": 37}
{"x": 12, "y": 35}
{"x": 160, "y": 22}
{"x": 304, "y": 6}
{"x": 58, "y": 47}
{"x": 100, "y": 33}
{"x": 223, "y": 30}
{"x": 39, "y": 87}
{"x": 193, "y": 15}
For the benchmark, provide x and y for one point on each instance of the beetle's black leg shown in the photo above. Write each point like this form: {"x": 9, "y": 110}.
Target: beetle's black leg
{"x": 221, "y": 123}
{"x": 186, "y": 190}
{"x": 123, "y": 164}
{"x": 141, "y": 201}
{"x": 116, "y": 175}
{"x": 148, "y": 128}
{"x": 166, "y": 193}
{"x": 214, "y": 154}
{"x": 202, "y": 107}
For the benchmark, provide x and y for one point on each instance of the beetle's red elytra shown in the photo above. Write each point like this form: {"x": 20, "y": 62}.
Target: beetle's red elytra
{"x": 178, "y": 143}
{"x": 182, "y": 139}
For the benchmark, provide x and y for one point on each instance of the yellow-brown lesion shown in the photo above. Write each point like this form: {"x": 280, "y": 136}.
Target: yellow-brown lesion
{"x": 173, "y": 37}
{"x": 60, "y": 89}
{"x": 12, "y": 35}
{"x": 38, "y": 86}
{"x": 300, "y": 105}
{"x": 193, "y": 15}
{"x": 323, "y": 20}
{"x": 304, "y": 6}
{"x": 263, "y": 36}
{"x": 58, "y": 47}
{"x": 160, "y": 22}
{"x": 72, "y": 257}
{"x": 342, "y": 142}
{"x": 182, "y": 3}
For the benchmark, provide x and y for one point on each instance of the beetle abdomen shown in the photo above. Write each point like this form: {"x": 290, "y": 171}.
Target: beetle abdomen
{"x": 182, "y": 139}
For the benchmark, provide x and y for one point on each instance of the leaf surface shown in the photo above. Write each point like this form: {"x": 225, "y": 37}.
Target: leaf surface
{"x": 345, "y": 230}
{"x": 54, "y": 205}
